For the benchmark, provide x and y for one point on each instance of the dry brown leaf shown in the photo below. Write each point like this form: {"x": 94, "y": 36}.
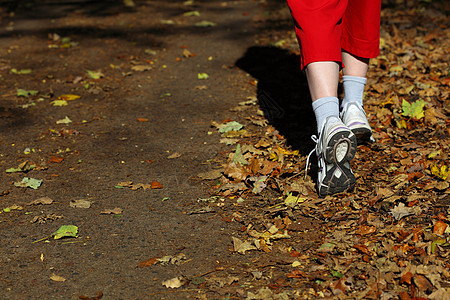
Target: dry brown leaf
{"x": 236, "y": 171}
{"x": 422, "y": 283}
{"x": 156, "y": 185}
{"x": 80, "y": 203}
{"x": 174, "y": 155}
{"x": 115, "y": 211}
{"x": 148, "y": 262}
{"x": 364, "y": 229}
{"x": 55, "y": 159}
{"x": 439, "y": 227}
{"x": 174, "y": 282}
{"x": 43, "y": 200}
{"x": 241, "y": 247}
{"x": 57, "y": 278}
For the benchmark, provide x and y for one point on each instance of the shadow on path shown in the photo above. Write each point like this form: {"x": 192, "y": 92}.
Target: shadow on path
{"x": 282, "y": 93}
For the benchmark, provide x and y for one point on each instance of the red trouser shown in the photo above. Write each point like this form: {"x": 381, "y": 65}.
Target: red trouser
{"x": 326, "y": 27}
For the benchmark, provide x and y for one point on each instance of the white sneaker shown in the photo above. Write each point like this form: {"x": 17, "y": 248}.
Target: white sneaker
{"x": 355, "y": 118}
{"x": 335, "y": 147}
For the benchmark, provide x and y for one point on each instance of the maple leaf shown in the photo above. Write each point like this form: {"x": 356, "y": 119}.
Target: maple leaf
{"x": 235, "y": 171}
{"x": 413, "y": 110}
{"x": 441, "y": 172}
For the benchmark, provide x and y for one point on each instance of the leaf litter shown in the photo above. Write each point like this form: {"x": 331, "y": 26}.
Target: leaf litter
{"x": 390, "y": 237}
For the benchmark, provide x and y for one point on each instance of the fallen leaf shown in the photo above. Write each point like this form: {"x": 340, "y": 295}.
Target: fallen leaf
{"x": 69, "y": 97}
{"x": 148, "y": 262}
{"x": 43, "y": 200}
{"x": 413, "y": 110}
{"x": 172, "y": 259}
{"x": 114, "y": 211}
{"x": 401, "y": 211}
{"x": 205, "y": 24}
{"x": 202, "y": 76}
{"x": 65, "y": 231}
{"x": 56, "y": 159}
{"x": 241, "y": 247}
{"x": 21, "y": 72}
{"x": 406, "y": 278}
{"x": 26, "y": 93}
{"x": 23, "y": 167}
{"x": 97, "y": 297}
{"x": 95, "y": 74}
{"x": 65, "y": 121}
{"x": 13, "y": 207}
{"x": 156, "y": 185}
{"x": 80, "y": 203}
{"x": 235, "y": 171}
{"x": 187, "y": 53}
{"x": 192, "y": 13}
{"x": 60, "y": 103}
{"x": 238, "y": 158}
{"x": 422, "y": 283}
{"x": 141, "y": 68}
{"x": 440, "y": 172}
{"x": 174, "y": 155}
{"x": 230, "y": 126}
{"x": 364, "y": 230}
{"x": 439, "y": 227}
{"x": 57, "y": 278}
{"x": 29, "y": 182}
{"x": 292, "y": 201}
{"x": 142, "y": 119}
{"x": 174, "y": 282}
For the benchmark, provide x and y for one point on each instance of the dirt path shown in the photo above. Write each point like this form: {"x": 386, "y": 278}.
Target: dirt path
{"x": 122, "y": 112}
{"x": 125, "y": 127}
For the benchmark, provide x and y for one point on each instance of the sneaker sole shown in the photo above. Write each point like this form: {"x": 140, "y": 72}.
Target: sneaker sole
{"x": 339, "y": 152}
{"x": 363, "y": 135}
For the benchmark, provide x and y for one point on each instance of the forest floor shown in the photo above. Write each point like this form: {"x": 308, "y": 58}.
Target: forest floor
{"x": 157, "y": 150}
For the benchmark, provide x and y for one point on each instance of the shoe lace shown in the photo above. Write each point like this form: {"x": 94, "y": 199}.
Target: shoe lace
{"x": 315, "y": 139}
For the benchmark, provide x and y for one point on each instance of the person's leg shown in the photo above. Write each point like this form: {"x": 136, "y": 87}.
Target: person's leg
{"x": 359, "y": 41}
{"x": 354, "y": 79}
{"x": 318, "y": 29}
{"x": 323, "y": 79}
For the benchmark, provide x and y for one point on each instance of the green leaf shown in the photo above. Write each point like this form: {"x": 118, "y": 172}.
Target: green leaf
{"x": 65, "y": 231}
{"x": 437, "y": 242}
{"x": 230, "y": 126}
{"x": 202, "y": 76}
{"x": 259, "y": 184}
{"x": 29, "y": 182}
{"x": 192, "y": 13}
{"x": 238, "y": 157}
{"x": 60, "y": 103}
{"x": 205, "y": 24}
{"x": 65, "y": 121}
{"x": 21, "y": 72}
{"x": 292, "y": 201}
{"x": 413, "y": 110}
{"x": 23, "y": 167}
{"x": 336, "y": 273}
{"x": 26, "y": 93}
{"x": 94, "y": 74}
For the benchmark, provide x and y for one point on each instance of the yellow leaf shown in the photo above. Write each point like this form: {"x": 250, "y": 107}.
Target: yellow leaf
{"x": 440, "y": 172}
{"x": 68, "y": 97}
{"x": 59, "y": 103}
{"x": 58, "y": 278}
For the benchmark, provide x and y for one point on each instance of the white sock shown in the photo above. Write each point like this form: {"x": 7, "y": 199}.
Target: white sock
{"x": 353, "y": 89}
{"x": 324, "y": 108}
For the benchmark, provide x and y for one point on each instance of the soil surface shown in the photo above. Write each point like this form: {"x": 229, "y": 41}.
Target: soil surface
{"x": 112, "y": 116}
